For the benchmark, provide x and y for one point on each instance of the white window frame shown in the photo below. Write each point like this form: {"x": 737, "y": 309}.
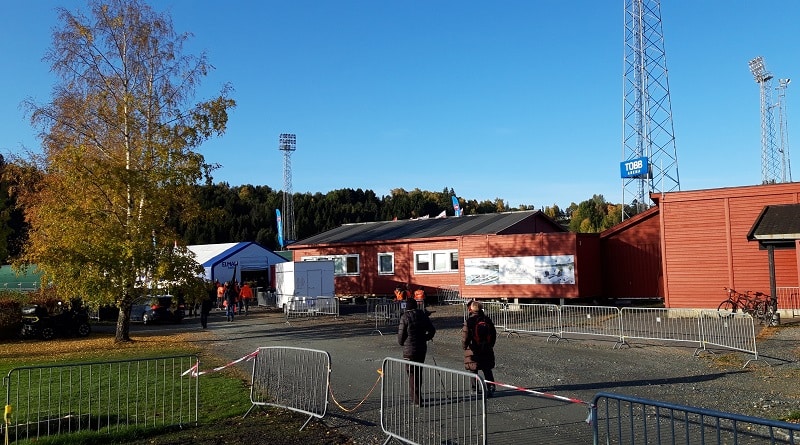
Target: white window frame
{"x": 433, "y": 257}
{"x": 385, "y": 272}
{"x": 340, "y": 263}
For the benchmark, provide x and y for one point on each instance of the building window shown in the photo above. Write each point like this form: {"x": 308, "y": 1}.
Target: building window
{"x": 386, "y": 263}
{"x": 342, "y": 264}
{"x": 436, "y": 261}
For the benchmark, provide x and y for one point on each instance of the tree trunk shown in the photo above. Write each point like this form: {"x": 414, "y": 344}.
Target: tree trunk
{"x": 123, "y": 332}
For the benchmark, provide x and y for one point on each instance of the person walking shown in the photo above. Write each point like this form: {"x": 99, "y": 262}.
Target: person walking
{"x": 246, "y": 295}
{"x": 414, "y": 332}
{"x": 478, "y": 337}
{"x": 230, "y": 300}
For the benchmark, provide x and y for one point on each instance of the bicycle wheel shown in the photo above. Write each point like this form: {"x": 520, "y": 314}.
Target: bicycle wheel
{"x": 759, "y": 311}
{"x": 726, "y": 308}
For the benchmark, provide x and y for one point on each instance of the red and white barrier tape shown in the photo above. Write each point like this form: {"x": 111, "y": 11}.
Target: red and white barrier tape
{"x": 194, "y": 372}
{"x": 549, "y": 396}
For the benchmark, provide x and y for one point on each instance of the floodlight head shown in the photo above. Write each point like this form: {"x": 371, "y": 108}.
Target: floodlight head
{"x": 287, "y": 142}
{"x": 757, "y": 68}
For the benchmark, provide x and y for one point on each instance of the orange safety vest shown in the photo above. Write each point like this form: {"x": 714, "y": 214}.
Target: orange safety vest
{"x": 419, "y": 295}
{"x": 400, "y": 295}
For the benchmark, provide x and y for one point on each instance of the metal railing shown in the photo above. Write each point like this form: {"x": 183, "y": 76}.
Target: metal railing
{"x": 296, "y": 379}
{"x": 306, "y": 307}
{"x": 449, "y": 295}
{"x": 619, "y": 419}
{"x": 705, "y": 328}
{"x": 789, "y": 299}
{"x": 425, "y": 404}
{"x": 98, "y": 396}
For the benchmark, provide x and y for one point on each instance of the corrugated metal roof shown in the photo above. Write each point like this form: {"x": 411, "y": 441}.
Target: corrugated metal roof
{"x": 777, "y": 223}
{"x": 421, "y": 228}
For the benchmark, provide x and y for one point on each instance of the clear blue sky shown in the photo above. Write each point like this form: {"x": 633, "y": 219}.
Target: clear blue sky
{"x": 519, "y": 100}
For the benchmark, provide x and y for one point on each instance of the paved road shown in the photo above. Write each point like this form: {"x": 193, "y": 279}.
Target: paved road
{"x": 576, "y": 369}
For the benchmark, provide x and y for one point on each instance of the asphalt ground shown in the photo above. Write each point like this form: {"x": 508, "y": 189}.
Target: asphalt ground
{"x": 575, "y": 369}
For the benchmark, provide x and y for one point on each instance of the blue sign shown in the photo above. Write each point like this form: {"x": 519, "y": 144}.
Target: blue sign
{"x": 634, "y": 168}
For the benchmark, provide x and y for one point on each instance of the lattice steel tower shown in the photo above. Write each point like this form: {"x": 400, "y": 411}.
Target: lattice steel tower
{"x": 288, "y": 144}
{"x": 786, "y": 167}
{"x": 647, "y": 110}
{"x": 775, "y": 165}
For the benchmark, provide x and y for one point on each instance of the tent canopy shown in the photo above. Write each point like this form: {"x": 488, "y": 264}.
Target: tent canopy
{"x": 226, "y": 261}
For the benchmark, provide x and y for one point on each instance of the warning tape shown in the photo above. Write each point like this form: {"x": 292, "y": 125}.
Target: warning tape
{"x": 194, "y": 369}
{"x": 542, "y": 394}
{"x": 549, "y": 396}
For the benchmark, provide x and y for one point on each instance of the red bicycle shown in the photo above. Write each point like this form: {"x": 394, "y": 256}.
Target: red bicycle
{"x": 758, "y": 304}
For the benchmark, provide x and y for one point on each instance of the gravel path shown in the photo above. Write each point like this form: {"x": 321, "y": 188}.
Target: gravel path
{"x": 574, "y": 368}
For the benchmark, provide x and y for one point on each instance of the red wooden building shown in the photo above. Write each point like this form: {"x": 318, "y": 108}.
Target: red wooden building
{"x": 506, "y": 255}
{"x": 684, "y": 251}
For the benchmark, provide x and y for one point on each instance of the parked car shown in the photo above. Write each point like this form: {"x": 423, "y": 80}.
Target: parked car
{"x": 63, "y": 320}
{"x": 164, "y": 309}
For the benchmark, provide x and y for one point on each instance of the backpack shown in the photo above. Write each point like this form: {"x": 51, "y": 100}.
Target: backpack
{"x": 482, "y": 333}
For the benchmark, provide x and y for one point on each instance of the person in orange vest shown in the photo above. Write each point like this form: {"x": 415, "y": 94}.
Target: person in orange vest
{"x": 245, "y": 295}
{"x": 401, "y": 293}
{"x": 419, "y": 295}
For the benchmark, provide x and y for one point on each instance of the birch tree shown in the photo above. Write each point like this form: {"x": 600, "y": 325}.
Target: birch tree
{"x": 119, "y": 155}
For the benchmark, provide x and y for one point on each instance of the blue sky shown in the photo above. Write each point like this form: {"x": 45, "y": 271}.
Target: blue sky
{"x": 519, "y": 100}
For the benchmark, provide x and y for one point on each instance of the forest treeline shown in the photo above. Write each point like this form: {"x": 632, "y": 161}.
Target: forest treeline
{"x": 247, "y": 212}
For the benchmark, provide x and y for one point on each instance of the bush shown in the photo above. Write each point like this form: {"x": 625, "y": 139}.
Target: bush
{"x": 10, "y": 318}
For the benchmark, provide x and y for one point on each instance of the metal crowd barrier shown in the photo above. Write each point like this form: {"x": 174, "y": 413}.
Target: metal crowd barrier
{"x": 449, "y": 295}
{"x": 311, "y": 307}
{"x": 659, "y": 324}
{"x": 596, "y": 321}
{"x": 533, "y": 319}
{"x": 619, "y": 419}
{"x": 372, "y": 305}
{"x": 296, "y": 379}
{"x": 734, "y": 331}
{"x": 708, "y": 328}
{"x": 448, "y": 412}
{"x": 111, "y": 395}
{"x": 789, "y": 299}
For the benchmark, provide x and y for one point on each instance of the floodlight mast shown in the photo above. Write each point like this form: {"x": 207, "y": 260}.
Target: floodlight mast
{"x": 287, "y": 144}
{"x": 786, "y": 169}
{"x": 770, "y": 163}
{"x": 648, "y": 131}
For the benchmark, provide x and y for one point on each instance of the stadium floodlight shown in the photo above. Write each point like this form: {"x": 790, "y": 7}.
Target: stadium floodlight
{"x": 758, "y": 69}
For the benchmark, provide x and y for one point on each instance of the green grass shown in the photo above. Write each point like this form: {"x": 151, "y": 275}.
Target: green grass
{"x": 222, "y": 395}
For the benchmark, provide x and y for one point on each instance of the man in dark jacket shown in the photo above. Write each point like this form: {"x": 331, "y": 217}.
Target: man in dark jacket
{"x": 479, "y": 352}
{"x": 413, "y": 334}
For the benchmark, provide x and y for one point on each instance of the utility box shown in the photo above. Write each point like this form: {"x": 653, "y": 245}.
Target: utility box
{"x": 303, "y": 280}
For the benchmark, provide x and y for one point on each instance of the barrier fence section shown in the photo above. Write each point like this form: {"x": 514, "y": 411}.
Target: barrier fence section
{"x": 307, "y": 307}
{"x": 597, "y": 321}
{"x": 448, "y": 412}
{"x": 449, "y": 295}
{"x": 789, "y": 299}
{"x": 372, "y": 304}
{"x": 619, "y": 419}
{"x": 729, "y": 330}
{"x": 112, "y": 395}
{"x": 296, "y": 379}
{"x": 533, "y": 319}
{"x": 659, "y": 324}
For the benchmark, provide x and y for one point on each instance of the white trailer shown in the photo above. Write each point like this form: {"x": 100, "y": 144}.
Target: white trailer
{"x": 302, "y": 280}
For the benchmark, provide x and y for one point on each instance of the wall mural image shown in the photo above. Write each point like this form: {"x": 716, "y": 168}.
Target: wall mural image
{"x": 546, "y": 269}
